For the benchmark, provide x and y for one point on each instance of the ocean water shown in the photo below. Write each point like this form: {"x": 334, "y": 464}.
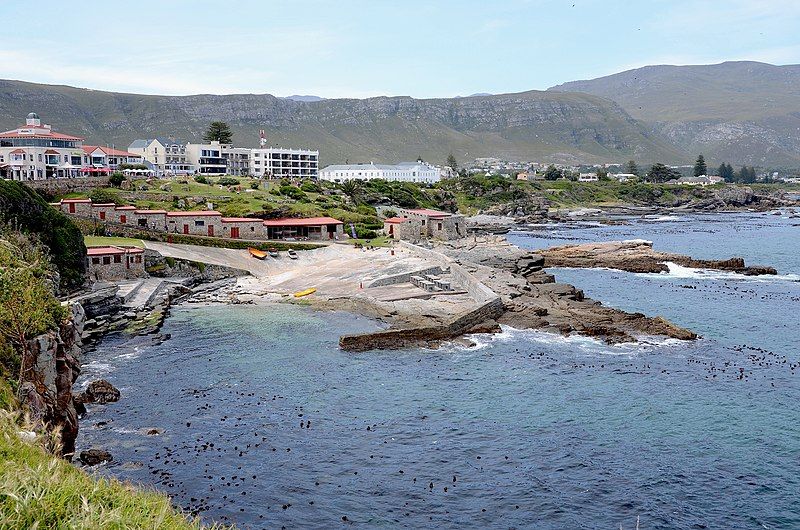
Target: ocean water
{"x": 268, "y": 425}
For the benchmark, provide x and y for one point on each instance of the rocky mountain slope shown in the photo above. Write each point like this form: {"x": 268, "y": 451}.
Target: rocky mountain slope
{"x": 742, "y": 112}
{"x": 529, "y": 126}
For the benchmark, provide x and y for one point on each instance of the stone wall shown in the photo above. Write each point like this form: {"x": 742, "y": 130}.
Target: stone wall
{"x": 161, "y": 267}
{"x": 65, "y": 186}
{"x": 405, "y": 277}
{"x": 129, "y": 267}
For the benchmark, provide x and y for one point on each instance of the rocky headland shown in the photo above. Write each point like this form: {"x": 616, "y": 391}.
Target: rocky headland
{"x": 639, "y": 256}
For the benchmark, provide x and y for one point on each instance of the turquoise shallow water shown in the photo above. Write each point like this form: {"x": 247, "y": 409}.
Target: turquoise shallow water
{"x": 527, "y": 430}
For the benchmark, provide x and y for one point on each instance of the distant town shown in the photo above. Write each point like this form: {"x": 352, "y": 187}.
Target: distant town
{"x": 35, "y": 151}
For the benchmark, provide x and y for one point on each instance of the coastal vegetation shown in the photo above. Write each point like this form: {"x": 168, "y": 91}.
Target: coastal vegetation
{"x": 25, "y": 210}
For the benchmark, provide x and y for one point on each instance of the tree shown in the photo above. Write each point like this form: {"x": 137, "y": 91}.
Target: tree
{"x": 700, "y": 167}
{"x": 726, "y": 171}
{"x": 632, "y": 168}
{"x": 218, "y": 131}
{"x": 661, "y": 173}
{"x": 552, "y": 173}
{"x": 116, "y": 179}
{"x": 746, "y": 175}
{"x": 353, "y": 189}
{"x": 451, "y": 162}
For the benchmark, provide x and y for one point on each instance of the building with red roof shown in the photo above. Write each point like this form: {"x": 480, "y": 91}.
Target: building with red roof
{"x": 414, "y": 224}
{"x": 115, "y": 263}
{"x": 36, "y": 152}
{"x": 318, "y": 228}
{"x": 100, "y": 157}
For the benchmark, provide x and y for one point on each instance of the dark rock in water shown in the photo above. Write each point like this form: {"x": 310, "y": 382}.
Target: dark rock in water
{"x": 92, "y": 457}
{"x": 153, "y": 432}
{"x": 100, "y": 391}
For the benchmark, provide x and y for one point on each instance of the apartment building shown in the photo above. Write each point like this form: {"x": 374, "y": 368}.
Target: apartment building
{"x": 168, "y": 157}
{"x": 237, "y": 160}
{"x": 97, "y": 156}
{"x": 36, "y": 152}
{"x": 207, "y": 159}
{"x": 420, "y": 172}
{"x": 276, "y": 162}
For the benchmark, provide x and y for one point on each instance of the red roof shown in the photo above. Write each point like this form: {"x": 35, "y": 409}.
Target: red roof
{"x": 103, "y": 205}
{"x": 125, "y": 208}
{"x": 51, "y": 152}
{"x": 41, "y": 133}
{"x": 311, "y": 221}
{"x": 107, "y": 251}
{"x": 107, "y": 150}
{"x": 18, "y": 151}
{"x": 76, "y": 200}
{"x": 396, "y": 220}
{"x": 430, "y": 213}
{"x": 193, "y": 214}
{"x": 152, "y": 212}
{"x": 240, "y": 220}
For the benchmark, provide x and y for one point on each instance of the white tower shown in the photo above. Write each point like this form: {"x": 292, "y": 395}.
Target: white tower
{"x": 33, "y": 120}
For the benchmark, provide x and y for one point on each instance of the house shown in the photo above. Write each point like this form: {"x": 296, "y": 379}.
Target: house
{"x": 79, "y": 207}
{"x": 242, "y": 228}
{"x": 426, "y": 224}
{"x": 168, "y": 157}
{"x": 150, "y": 219}
{"x": 97, "y": 156}
{"x": 419, "y": 171}
{"x": 623, "y": 177}
{"x": 200, "y": 223}
{"x": 522, "y": 175}
{"x": 115, "y": 263}
{"x": 103, "y": 212}
{"x": 123, "y": 215}
{"x": 277, "y": 162}
{"x": 702, "y": 180}
{"x": 319, "y": 228}
{"x": 36, "y": 152}
{"x": 588, "y": 177}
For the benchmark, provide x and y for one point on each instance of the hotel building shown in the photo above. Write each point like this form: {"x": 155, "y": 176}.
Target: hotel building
{"x": 167, "y": 156}
{"x": 276, "y": 162}
{"x": 420, "y": 172}
{"x": 36, "y": 152}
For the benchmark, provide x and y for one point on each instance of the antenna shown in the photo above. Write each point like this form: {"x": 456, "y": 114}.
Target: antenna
{"x": 262, "y": 138}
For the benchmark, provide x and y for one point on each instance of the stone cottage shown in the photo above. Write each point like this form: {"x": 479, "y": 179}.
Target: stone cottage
{"x": 115, "y": 263}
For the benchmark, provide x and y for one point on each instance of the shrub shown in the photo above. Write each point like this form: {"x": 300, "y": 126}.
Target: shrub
{"x": 25, "y": 210}
{"x": 254, "y": 185}
{"x": 310, "y": 186}
{"x": 228, "y": 181}
{"x": 200, "y": 179}
{"x": 293, "y": 192}
{"x": 116, "y": 179}
{"x": 103, "y": 195}
{"x": 365, "y": 233}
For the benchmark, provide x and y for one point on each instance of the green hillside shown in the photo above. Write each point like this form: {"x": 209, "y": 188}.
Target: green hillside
{"x": 744, "y": 112}
{"x": 526, "y": 126}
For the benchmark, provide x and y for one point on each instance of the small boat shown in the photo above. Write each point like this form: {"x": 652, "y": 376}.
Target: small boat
{"x": 292, "y": 254}
{"x": 258, "y": 254}
{"x": 273, "y": 253}
{"x": 300, "y": 294}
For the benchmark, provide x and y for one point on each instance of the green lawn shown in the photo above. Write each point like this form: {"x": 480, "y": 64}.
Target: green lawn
{"x": 102, "y": 241}
{"x": 381, "y": 241}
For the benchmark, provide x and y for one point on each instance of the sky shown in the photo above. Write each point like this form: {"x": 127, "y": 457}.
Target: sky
{"x": 378, "y": 47}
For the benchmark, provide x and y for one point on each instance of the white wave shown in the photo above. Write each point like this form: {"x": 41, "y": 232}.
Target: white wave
{"x": 681, "y": 272}
{"x": 588, "y": 345}
{"x": 663, "y": 218}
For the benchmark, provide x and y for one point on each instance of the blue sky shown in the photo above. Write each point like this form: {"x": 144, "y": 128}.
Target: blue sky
{"x": 367, "y": 48}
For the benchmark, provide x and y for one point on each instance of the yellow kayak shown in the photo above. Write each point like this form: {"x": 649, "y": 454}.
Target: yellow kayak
{"x": 307, "y": 292}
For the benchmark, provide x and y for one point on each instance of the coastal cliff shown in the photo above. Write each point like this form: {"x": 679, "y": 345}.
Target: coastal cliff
{"x": 46, "y": 389}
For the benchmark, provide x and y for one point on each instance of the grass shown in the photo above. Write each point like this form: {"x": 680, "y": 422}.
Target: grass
{"x": 101, "y": 241}
{"x": 38, "y": 490}
{"x": 380, "y": 241}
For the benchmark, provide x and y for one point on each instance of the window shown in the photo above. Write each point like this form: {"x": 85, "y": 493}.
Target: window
{"x": 106, "y": 260}
{"x": 117, "y": 259}
{"x": 199, "y": 223}
{"x": 440, "y": 226}
{"x": 138, "y": 259}
{"x": 95, "y": 261}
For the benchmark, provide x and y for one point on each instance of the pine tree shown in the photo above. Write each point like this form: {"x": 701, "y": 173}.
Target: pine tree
{"x": 632, "y": 168}
{"x": 661, "y": 173}
{"x": 218, "y": 131}
{"x": 552, "y": 173}
{"x": 451, "y": 162}
{"x": 700, "y": 167}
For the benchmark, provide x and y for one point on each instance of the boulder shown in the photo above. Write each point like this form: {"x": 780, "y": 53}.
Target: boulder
{"x": 100, "y": 391}
{"x": 92, "y": 457}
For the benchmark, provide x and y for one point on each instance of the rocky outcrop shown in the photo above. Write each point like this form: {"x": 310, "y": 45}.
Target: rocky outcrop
{"x": 93, "y": 457}
{"x": 46, "y": 390}
{"x": 638, "y": 256}
{"x": 100, "y": 391}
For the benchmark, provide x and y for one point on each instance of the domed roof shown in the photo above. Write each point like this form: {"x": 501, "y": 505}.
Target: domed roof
{"x": 33, "y": 116}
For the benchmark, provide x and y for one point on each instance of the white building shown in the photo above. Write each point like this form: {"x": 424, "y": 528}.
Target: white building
{"x": 167, "y": 156}
{"x": 404, "y": 172}
{"x": 98, "y": 156}
{"x": 36, "y": 152}
{"x": 588, "y": 177}
{"x": 277, "y": 162}
{"x": 206, "y": 159}
{"x": 237, "y": 160}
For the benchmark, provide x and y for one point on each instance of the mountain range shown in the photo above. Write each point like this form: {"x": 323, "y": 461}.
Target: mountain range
{"x": 737, "y": 112}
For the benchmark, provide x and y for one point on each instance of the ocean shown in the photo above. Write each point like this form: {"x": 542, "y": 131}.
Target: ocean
{"x": 264, "y": 423}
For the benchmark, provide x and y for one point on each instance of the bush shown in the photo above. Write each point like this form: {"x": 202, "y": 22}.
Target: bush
{"x": 103, "y": 196}
{"x": 228, "y": 181}
{"x": 200, "y": 179}
{"x": 254, "y": 185}
{"x": 365, "y": 233}
{"x": 310, "y": 186}
{"x": 116, "y": 179}
{"x": 25, "y": 210}
{"x": 293, "y": 192}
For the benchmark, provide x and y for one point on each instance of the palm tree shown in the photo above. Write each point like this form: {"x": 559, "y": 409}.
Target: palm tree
{"x": 353, "y": 189}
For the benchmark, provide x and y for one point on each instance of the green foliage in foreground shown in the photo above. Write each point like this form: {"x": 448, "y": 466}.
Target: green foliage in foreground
{"x": 25, "y": 210}
{"x": 41, "y": 491}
